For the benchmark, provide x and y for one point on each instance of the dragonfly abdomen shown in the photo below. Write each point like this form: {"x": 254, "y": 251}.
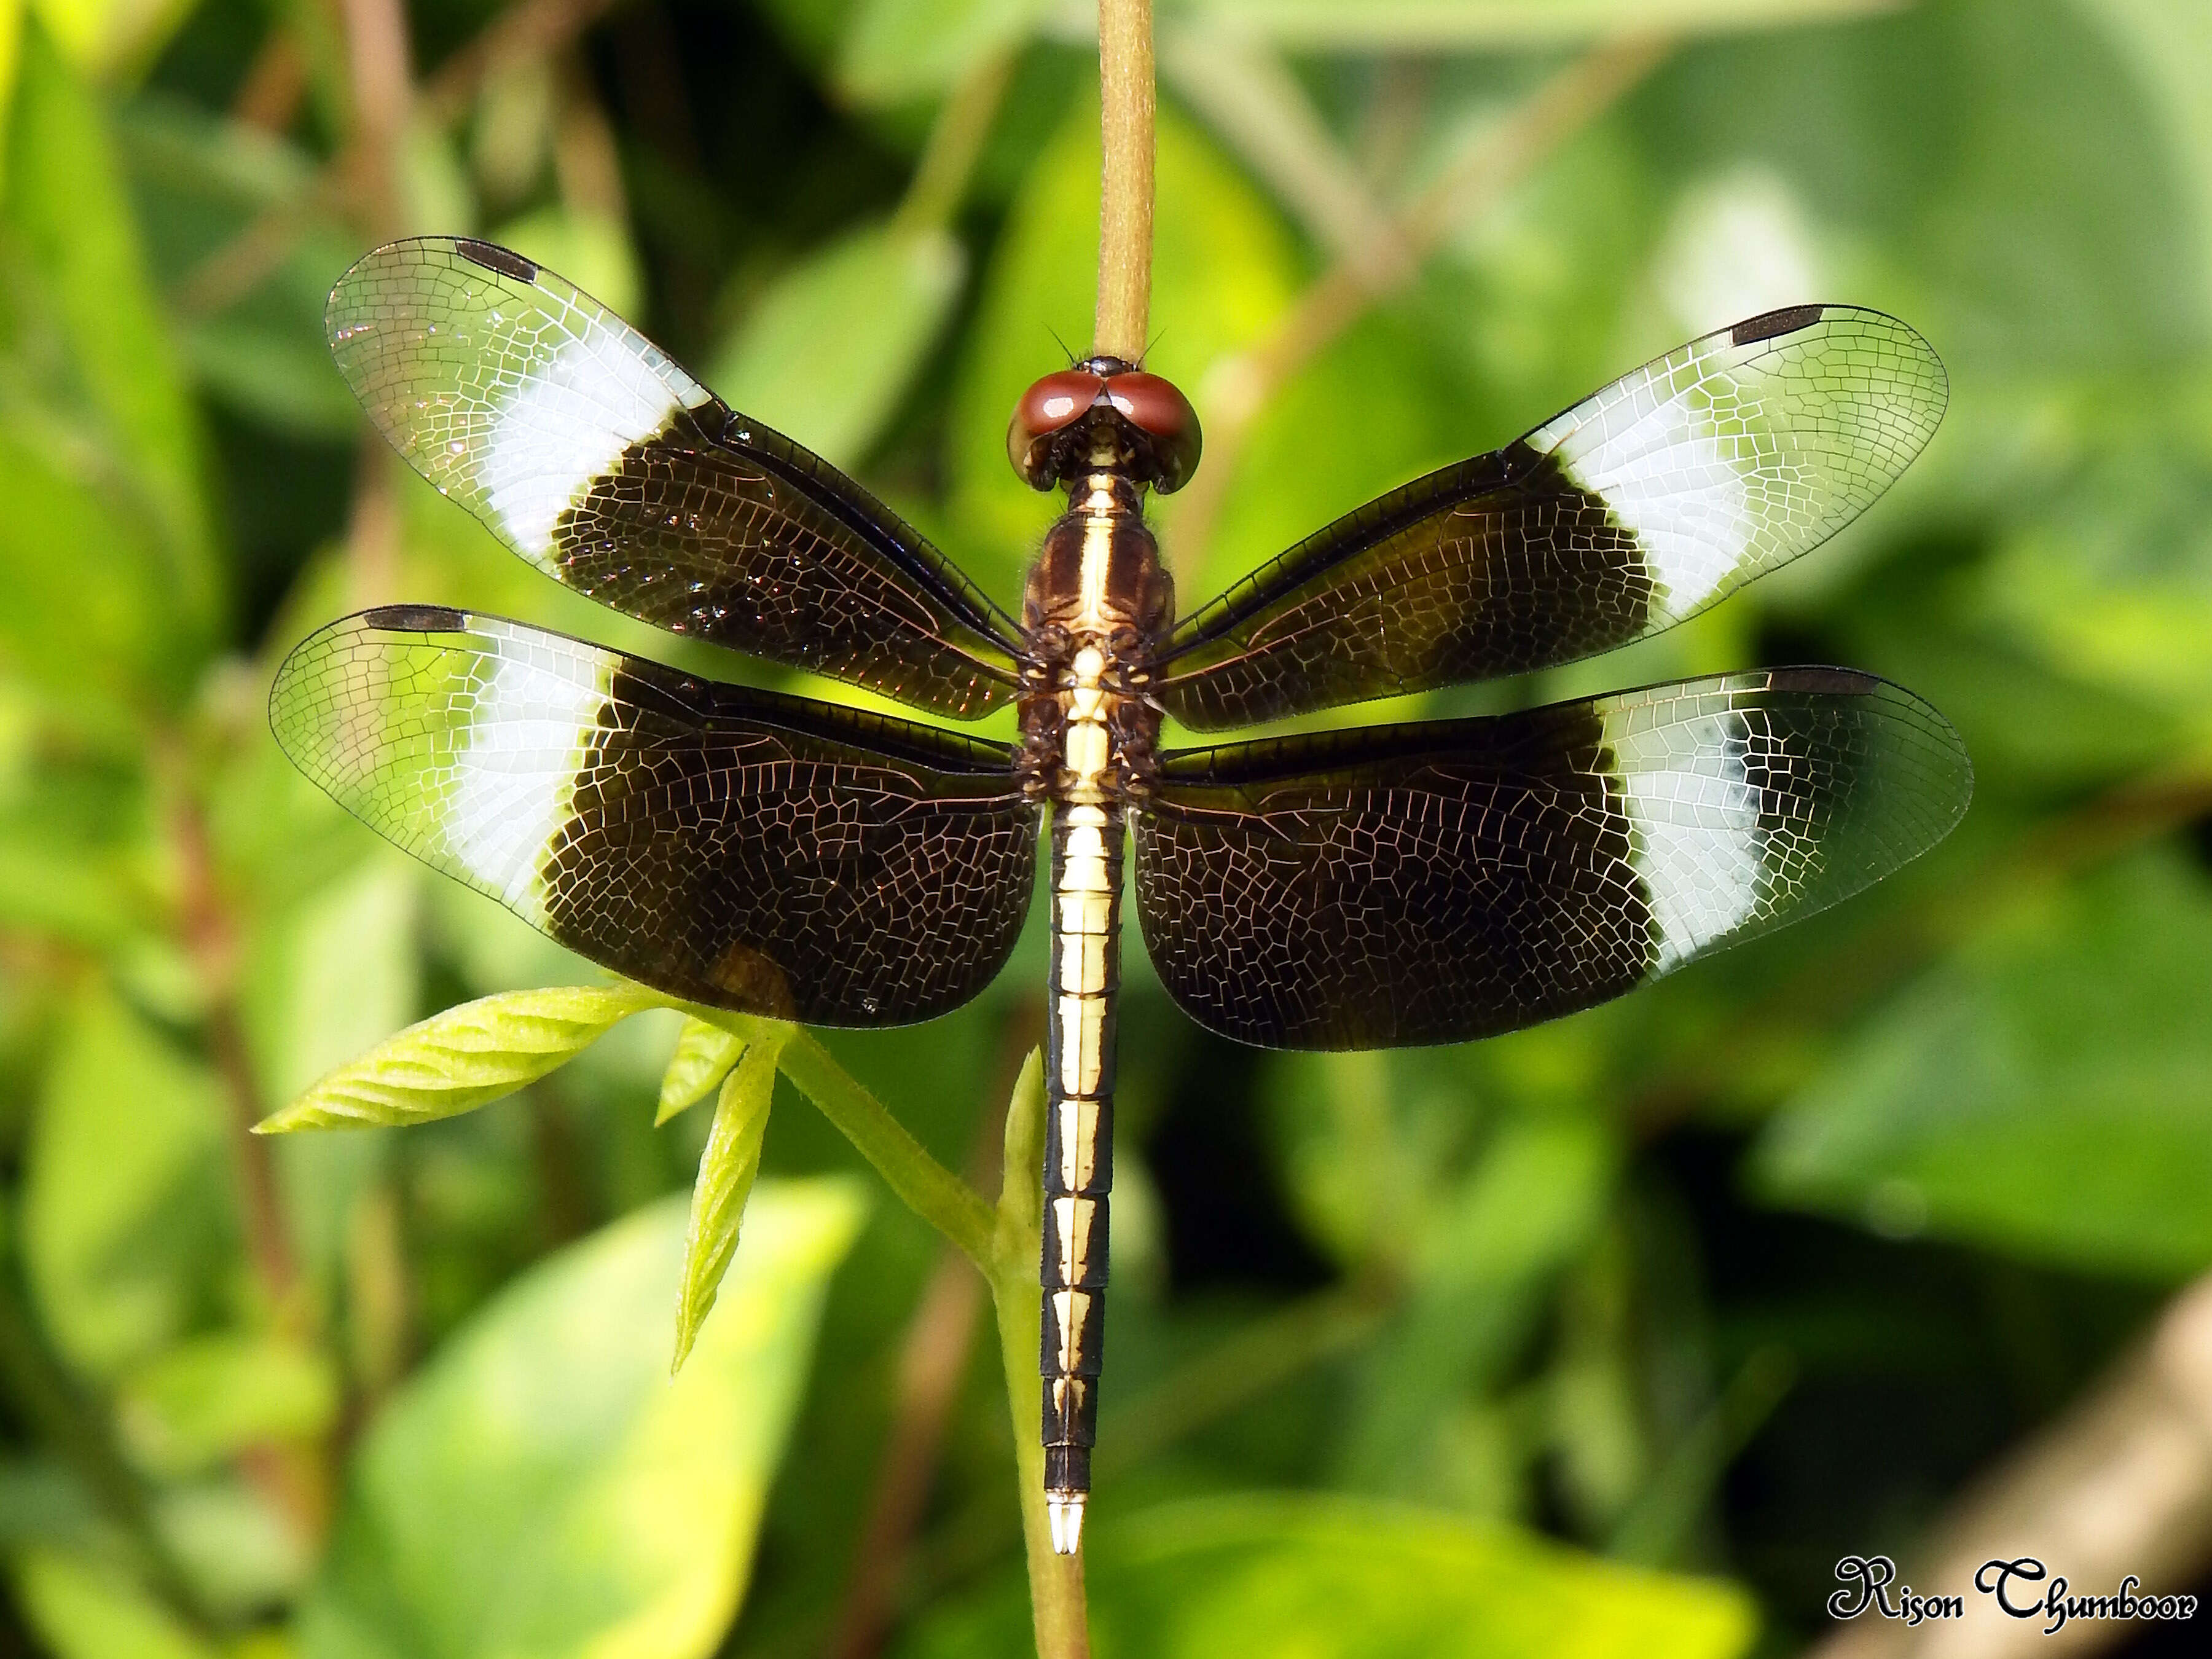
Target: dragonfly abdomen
{"x": 1078, "y": 1162}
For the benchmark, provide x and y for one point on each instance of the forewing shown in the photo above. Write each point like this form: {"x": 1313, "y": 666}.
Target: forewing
{"x": 1632, "y": 511}
{"x": 1435, "y": 882}
{"x": 588, "y": 452}
{"x": 727, "y": 846}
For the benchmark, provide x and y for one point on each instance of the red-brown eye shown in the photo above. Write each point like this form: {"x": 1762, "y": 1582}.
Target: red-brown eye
{"x": 1163, "y": 415}
{"x": 1046, "y": 410}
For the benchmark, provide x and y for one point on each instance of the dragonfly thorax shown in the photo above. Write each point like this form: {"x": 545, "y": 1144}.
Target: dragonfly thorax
{"x": 1099, "y": 571}
{"x": 1097, "y": 602}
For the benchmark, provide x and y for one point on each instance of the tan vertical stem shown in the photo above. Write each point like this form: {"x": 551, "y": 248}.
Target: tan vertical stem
{"x": 1128, "y": 104}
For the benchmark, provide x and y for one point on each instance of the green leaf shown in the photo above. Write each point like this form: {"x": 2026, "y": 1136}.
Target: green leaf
{"x": 2048, "y": 1091}
{"x": 239, "y": 1549}
{"x": 69, "y": 210}
{"x": 11, "y": 52}
{"x": 2169, "y": 48}
{"x": 126, "y": 1216}
{"x": 1369, "y": 412}
{"x": 1470, "y": 25}
{"x": 543, "y": 1489}
{"x": 726, "y": 1168}
{"x": 703, "y": 1056}
{"x": 1332, "y": 1578}
{"x": 896, "y": 50}
{"x": 464, "y": 1058}
{"x": 2108, "y": 574}
{"x": 188, "y": 1408}
{"x": 82, "y": 1610}
{"x": 826, "y": 354}
{"x": 112, "y": 40}
{"x": 202, "y": 181}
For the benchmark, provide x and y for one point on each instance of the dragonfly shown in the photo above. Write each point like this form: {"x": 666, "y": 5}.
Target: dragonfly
{"x": 1419, "y": 882}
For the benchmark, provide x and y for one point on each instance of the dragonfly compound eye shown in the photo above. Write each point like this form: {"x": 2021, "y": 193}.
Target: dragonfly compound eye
{"x": 1156, "y": 409}
{"x": 1047, "y": 408}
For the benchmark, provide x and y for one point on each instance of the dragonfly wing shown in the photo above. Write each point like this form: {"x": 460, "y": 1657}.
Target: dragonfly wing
{"x": 1435, "y": 882}
{"x": 1639, "y": 508}
{"x": 730, "y": 847}
{"x": 590, "y": 452}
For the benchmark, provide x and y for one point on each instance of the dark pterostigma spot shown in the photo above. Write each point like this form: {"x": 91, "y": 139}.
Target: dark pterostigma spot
{"x": 492, "y": 257}
{"x": 1842, "y": 682}
{"x": 418, "y": 619}
{"x": 1771, "y": 324}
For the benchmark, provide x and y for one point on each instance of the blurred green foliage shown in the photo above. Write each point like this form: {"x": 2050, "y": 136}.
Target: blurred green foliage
{"x": 1606, "y": 1338}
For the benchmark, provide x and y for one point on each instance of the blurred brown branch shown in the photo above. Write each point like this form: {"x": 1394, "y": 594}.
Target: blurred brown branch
{"x": 2120, "y": 1484}
{"x": 296, "y": 1478}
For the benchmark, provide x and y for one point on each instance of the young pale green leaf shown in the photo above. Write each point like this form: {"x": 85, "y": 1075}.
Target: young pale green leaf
{"x": 2047, "y": 1092}
{"x": 542, "y": 1488}
{"x": 826, "y": 354}
{"x": 726, "y": 1170}
{"x": 1337, "y": 1579}
{"x": 464, "y": 1058}
{"x": 703, "y": 1056}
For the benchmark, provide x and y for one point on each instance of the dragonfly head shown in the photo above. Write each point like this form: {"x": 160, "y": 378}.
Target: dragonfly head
{"x": 1066, "y": 418}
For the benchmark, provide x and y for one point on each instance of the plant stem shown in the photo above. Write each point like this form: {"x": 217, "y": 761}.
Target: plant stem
{"x": 1126, "y": 107}
{"x": 1004, "y": 1244}
{"x": 379, "y": 59}
{"x": 923, "y": 1185}
{"x": 1056, "y": 1604}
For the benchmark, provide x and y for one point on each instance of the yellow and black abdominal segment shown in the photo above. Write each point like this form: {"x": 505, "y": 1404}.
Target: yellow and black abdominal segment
{"x": 1356, "y": 888}
{"x": 1078, "y": 1161}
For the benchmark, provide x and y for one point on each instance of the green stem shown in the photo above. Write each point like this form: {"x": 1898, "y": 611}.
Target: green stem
{"x": 1004, "y": 1243}
{"x": 1056, "y": 1602}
